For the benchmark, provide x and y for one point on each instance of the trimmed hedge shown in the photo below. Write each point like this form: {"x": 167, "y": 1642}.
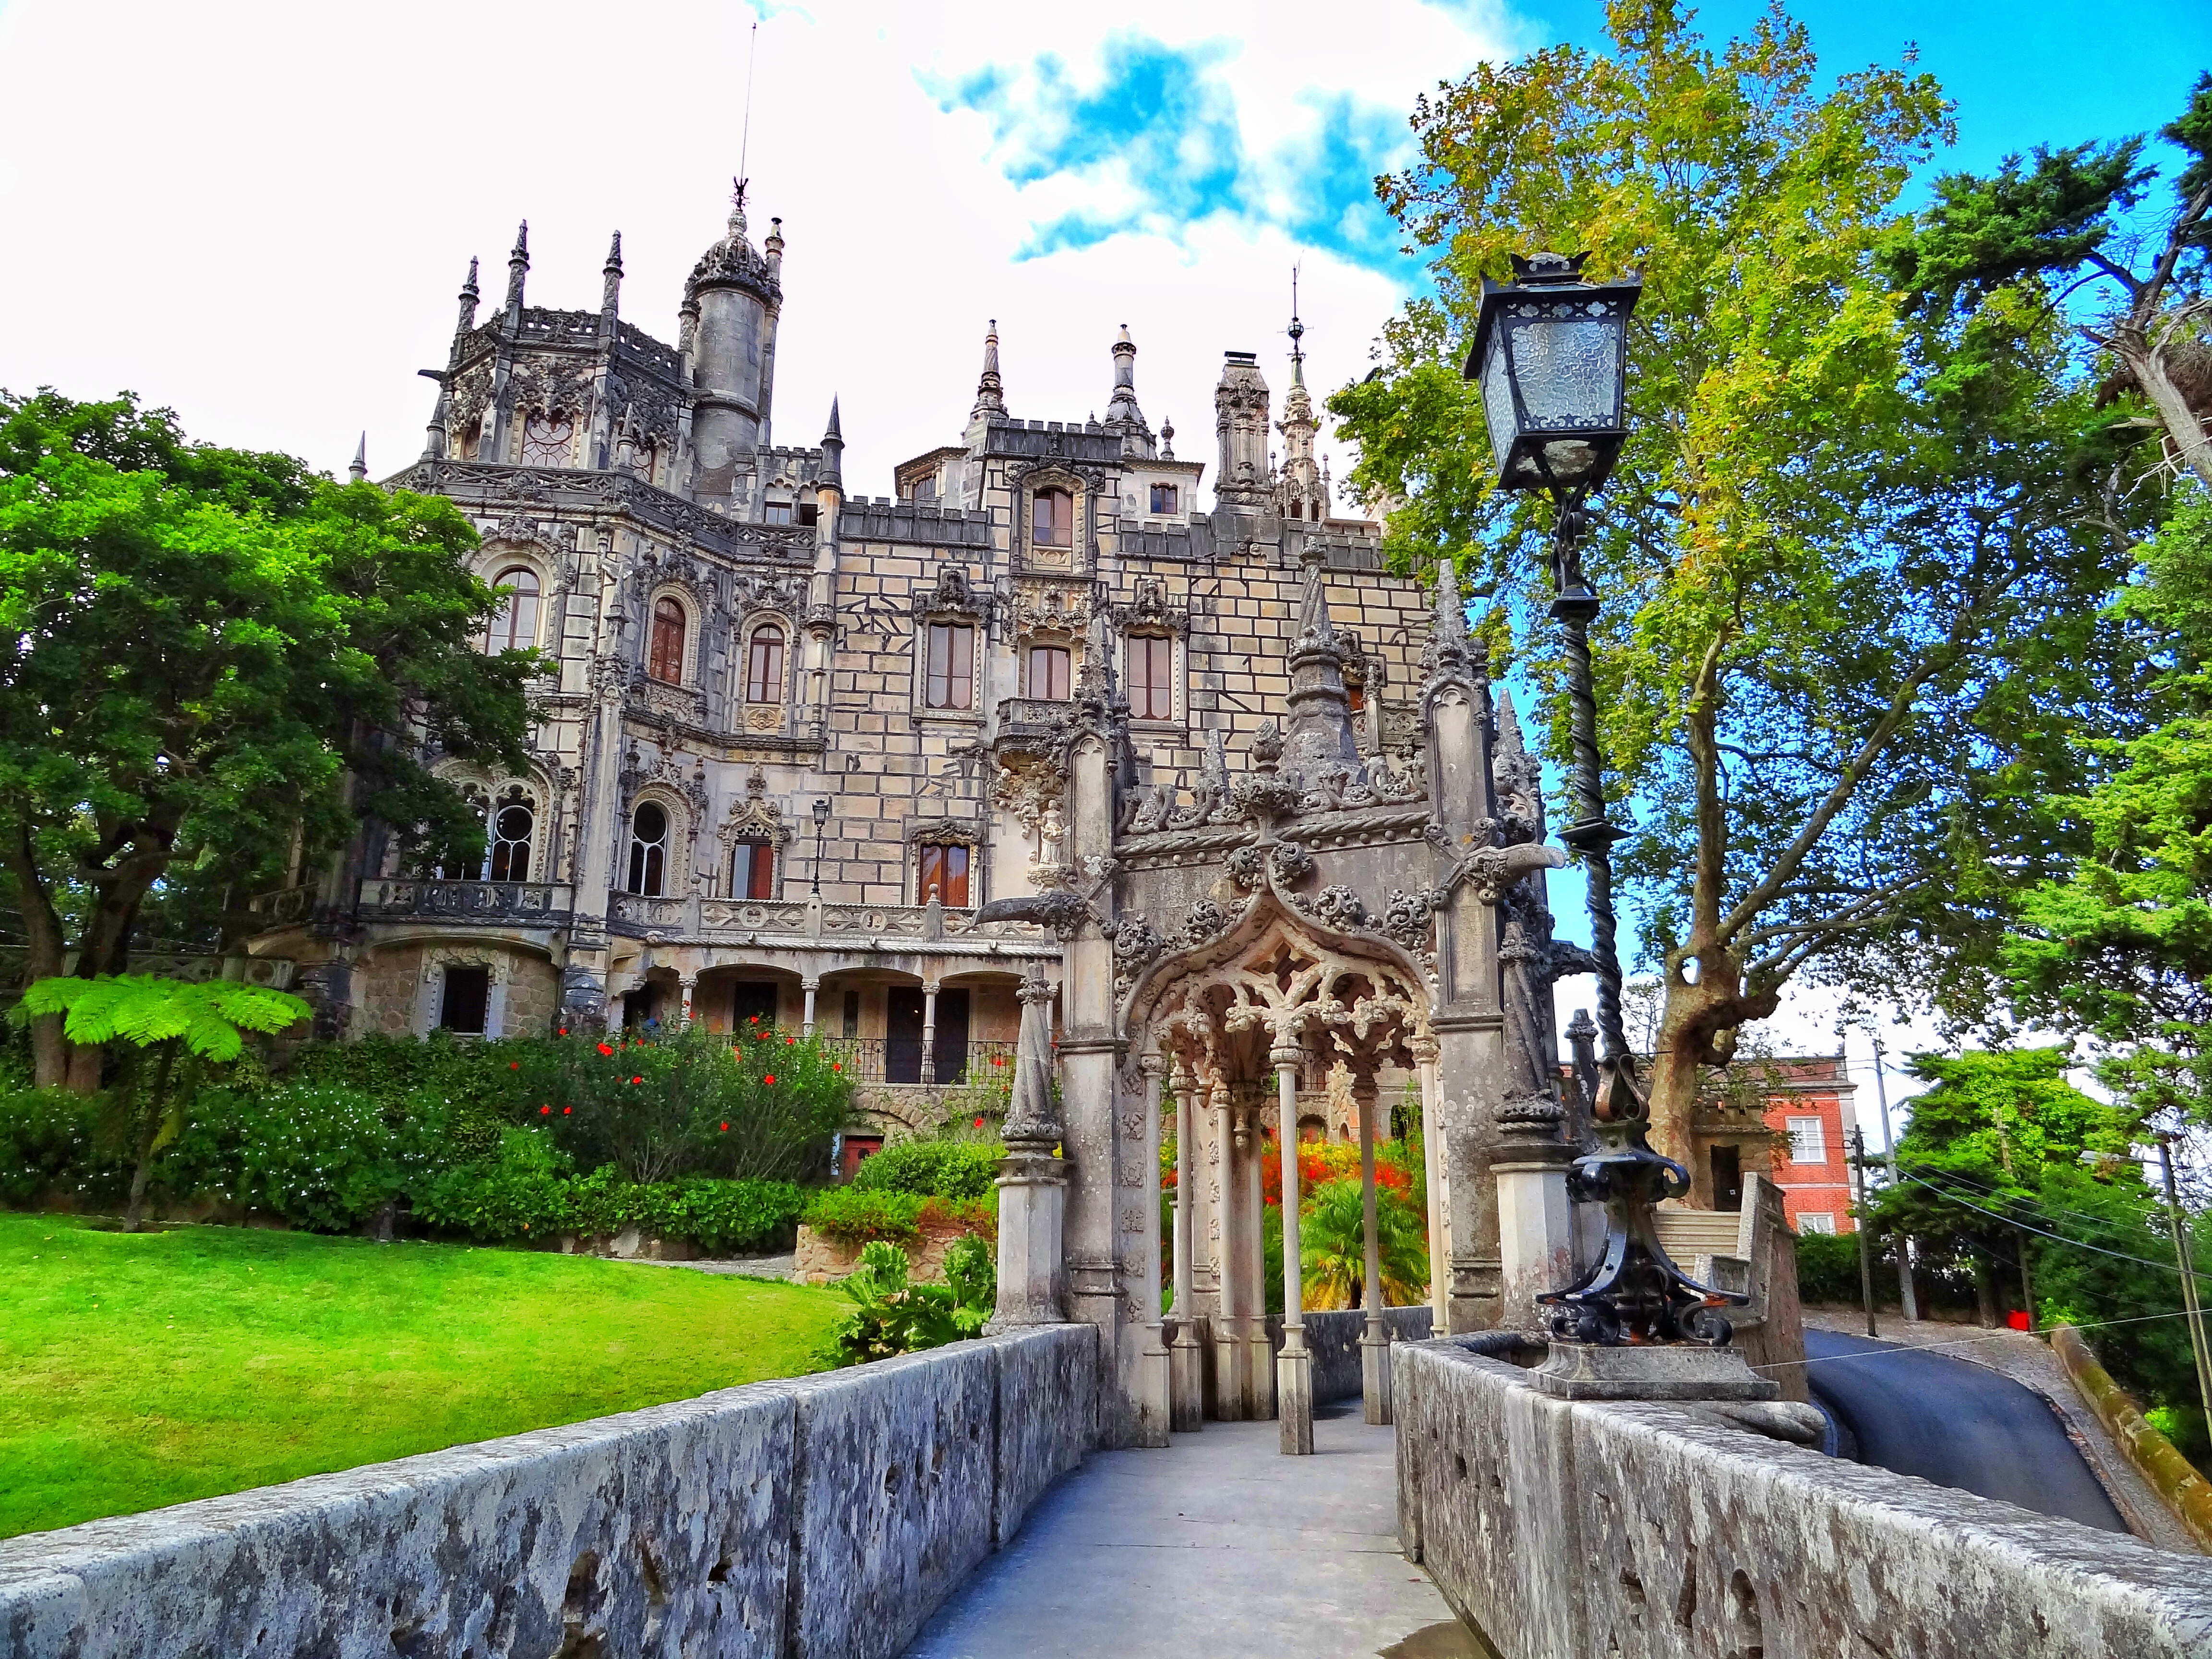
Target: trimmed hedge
{"x": 933, "y": 1169}
{"x": 854, "y": 1215}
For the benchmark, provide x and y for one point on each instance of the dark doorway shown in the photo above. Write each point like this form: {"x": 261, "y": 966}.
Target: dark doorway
{"x": 1728, "y": 1177}
{"x": 752, "y": 1002}
{"x": 466, "y": 1000}
{"x": 902, "y": 1029}
{"x": 639, "y": 1006}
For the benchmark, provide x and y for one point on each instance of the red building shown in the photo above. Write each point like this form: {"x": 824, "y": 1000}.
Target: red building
{"x": 1809, "y": 1110}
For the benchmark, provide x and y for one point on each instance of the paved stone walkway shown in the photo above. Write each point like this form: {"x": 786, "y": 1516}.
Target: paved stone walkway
{"x": 1218, "y": 1545}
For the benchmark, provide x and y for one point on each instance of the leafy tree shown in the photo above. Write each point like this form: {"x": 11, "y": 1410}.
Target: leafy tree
{"x": 213, "y": 658}
{"x": 2062, "y": 214}
{"x": 170, "y": 1019}
{"x": 1845, "y": 583}
{"x": 1332, "y": 1245}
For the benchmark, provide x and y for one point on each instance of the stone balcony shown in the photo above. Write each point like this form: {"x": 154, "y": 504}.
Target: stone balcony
{"x": 932, "y": 928}
{"x": 493, "y": 903}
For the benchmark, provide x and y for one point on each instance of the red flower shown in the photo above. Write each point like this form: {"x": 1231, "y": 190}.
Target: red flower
{"x": 754, "y": 1018}
{"x": 759, "y": 1036}
{"x": 979, "y": 1122}
{"x": 787, "y": 1041}
{"x": 564, "y": 1030}
{"x": 514, "y": 1065}
{"x": 769, "y": 1078}
{"x": 604, "y": 1050}
{"x": 725, "y": 1129}
{"x": 545, "y": 1111}
{"x": 837, "y": 1065}
{"x": 637, "y": 1079}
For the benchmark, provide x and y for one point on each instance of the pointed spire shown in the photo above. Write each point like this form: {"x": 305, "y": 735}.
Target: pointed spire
{"x": 610, "y": 287}
{"x": 1450, "y": 655}
{"x": 1316, "y": 625}
{"x": 1297, "y": 333}
{"x": 990, "y": 392}
{"x": 359, "y": 470}
{"x": 833, "y": 450}
{"x": 469, "y": 298}
{"x": 1122, "y": 410}
{"x": 1509, "y": 744}
{"x": 518, "y": 266}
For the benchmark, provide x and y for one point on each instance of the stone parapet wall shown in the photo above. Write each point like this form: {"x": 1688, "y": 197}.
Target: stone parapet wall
{"x": 1562, "y": 1530}
{"x": 817, "y": 1518}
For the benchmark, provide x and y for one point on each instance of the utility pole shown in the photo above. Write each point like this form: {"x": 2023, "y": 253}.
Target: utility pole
{"x": 1866, "y": 1249}
{"x": 1906, "y": 1300}
{"x": 2192, "y": 1305}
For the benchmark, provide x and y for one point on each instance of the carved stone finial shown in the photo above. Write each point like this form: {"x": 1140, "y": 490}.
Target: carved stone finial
{"x": 1029, "y": 1111}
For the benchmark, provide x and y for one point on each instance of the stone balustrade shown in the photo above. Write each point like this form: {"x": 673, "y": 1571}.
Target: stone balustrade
{"x": 824, "y": 1516}
{"x": 751, "y": 922}
{"x": 511, "y": 904}
{"x": 1560, "y": 1530}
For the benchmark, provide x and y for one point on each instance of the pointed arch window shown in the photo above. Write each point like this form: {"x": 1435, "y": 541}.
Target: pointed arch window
{"x": 648, "y": 849}
{"x": 765, "y": 666}
{"x": 546, "y": 439}
{"x": 514, "y": 624}
{"x": 666, "y": 659}
{"x": 514, "y": 824}
{"x": 1052, "y": 518}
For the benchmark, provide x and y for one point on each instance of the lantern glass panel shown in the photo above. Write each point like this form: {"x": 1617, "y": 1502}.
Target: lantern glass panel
{"x": 1497, "y": 399}
{"x": 1568, "y": 370}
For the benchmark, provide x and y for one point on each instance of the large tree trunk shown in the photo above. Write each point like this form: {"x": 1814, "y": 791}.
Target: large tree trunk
{"x": 2183, "y": 424}
{"x": 42, "y": 954}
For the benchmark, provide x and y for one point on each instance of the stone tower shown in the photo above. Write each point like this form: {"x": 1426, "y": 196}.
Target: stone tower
{"x": 730, "y": 304}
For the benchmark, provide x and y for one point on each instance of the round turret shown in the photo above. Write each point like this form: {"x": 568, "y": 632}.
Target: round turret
{"x": 735, "y": 293}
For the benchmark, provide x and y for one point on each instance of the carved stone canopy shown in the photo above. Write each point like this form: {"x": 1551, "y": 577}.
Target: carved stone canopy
{"x": 754, "y": 816}
{"x": 954, "y": 595}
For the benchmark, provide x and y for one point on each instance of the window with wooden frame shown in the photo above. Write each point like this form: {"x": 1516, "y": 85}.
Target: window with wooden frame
{"x": 514, "y": 624}
{"x": 512, "y": 825}
{"x": 775, "y": 512}
{"x": 1052, "y": 518}
{"x": 752, "y": 871}
{"x": 765, "y": 666}
{"x": 1048, "y": 672}
{"x": 943, "y": 874}
{"x": 949, "y": 672}
{"x": 1151, "y": 677}
{"x": 1166, "y": 498}
{"x": 664, "y": 661}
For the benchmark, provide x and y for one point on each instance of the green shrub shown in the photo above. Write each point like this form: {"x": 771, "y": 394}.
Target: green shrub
{"x": 49, "y": 1140}
{"x": 525, "y": 1191}
{"x": 1828, "y": 1268}
{"x": 720, "y": 1217}
{"x": 855, "y": 1215}
{"x": 894, "y": 1315}
{"x": 933, "y": 1169}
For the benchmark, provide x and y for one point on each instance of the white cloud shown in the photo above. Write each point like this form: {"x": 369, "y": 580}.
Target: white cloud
{"x": 259, "y": 213}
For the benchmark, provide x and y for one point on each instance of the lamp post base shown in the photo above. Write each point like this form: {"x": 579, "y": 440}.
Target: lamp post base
{"x": 1668, "y": 1370}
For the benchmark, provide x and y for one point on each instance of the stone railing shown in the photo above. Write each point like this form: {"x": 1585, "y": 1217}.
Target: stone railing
{"x": 285, "y": 907}
{"x": 822, "y": 1516}
{"x": 1560, "y": 1530}
{"x": 726, "y": 921}
{"x": 525, "y": 903}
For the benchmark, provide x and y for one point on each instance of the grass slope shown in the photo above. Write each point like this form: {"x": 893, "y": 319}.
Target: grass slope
{"x": 142, "y": 1370}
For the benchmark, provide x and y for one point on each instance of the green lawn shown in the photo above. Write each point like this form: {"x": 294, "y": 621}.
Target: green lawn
{"x": 140, "y": 1370}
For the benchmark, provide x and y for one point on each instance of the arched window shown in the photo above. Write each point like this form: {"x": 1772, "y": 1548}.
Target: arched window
{"x": 666, "y": 660}
{"x": 1052, "y": 518}
{"x": 944, "y": 874}
{"x": 514, "y": 624}
{"x": 752, "y": 871}
{"x": 545, "y": 440}
{"x": 765, "y": 666}
{"x": 512, "y": 828}
{"x": 648, "y": 849}
{"x": 1151, "y": 677}
{"x": 452, "y": 869}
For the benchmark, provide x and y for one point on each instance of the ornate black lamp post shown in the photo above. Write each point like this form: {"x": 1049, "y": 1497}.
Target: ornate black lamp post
{"x": 1550, "y": 359}
{"x": 821, "y": 823}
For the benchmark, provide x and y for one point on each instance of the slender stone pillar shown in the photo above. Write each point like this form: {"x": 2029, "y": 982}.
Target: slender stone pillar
{"x": 1536, "y": 1226}
{"x": 1186, "y": 1352}
{"x": 1258, "y": 1351}
{"x": 1425, "y": 1051}
{"x": 1231, "y": 1351}
{"x": 1373, "y": 1341}
{"x": 806, "y": 1022}
{"x": 686, "y": 984}
{"x": 1294, "y": 1365}
{"x": 1032, "y": 1180}
{"x": 1153, "y": 1390}
{"x": 929, "y": 1031}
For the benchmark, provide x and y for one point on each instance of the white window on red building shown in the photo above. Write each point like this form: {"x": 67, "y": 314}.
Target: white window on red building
{"x": 1809, "y": 1142}
{"x": 1816, "y": 1221}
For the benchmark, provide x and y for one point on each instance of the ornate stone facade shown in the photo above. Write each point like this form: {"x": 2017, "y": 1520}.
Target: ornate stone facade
{"x": 862, "y": 765}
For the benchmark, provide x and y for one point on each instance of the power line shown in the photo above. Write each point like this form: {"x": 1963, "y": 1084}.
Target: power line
{"x": 1988, "y": 1189}
{"x": 2056, "y": 1239}
{"x": 1963, "y": 1342}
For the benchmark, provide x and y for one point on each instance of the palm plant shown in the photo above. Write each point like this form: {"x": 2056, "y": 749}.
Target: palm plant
{"x": 172, "y": 1019}
{"x": 1333, "y": 1246}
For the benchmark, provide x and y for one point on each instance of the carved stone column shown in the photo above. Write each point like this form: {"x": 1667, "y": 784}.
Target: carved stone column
{"x": 929, "y": 1031}
{"x": 807, "y": 1020}
{"x": 1154, "y": 1382}
{"x": 1375, "y": 1340}
{"x": 1185, "y": 1350}
{"x": 1032, "y": 1180}
{"x": 1232, "y": 1352}
{"x": 1425, "y": 1051}
{"x": 686, "y": 985}
{"x": 1294, "y": 1365}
